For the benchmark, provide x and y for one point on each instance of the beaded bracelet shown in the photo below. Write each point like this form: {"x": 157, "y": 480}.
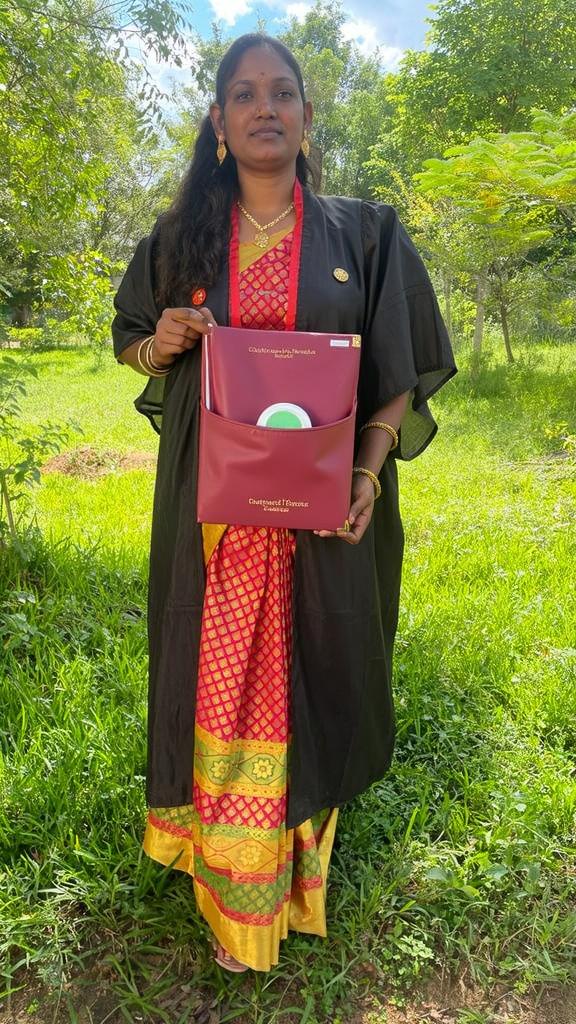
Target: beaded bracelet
{"x": 382, "y": 426}
{"x": 371, "y": 476}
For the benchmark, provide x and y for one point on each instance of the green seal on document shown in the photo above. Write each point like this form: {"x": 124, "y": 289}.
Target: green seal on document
{"x": 284, "y": 416}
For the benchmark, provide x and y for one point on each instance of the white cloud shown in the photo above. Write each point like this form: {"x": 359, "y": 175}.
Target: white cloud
{"x": 390, "y": 57}
{"x": 230, "y": 11}
{"x": 164, "y": 74}
{"x": 364, "y": 32}
{"x": 365, "y": 35}
{"x": 298, "y": 10}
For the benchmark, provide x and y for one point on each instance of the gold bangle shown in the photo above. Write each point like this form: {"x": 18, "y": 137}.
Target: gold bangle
{"x": 150, "y": 361}
{"x": 371, "y": 476}
{"x": 139, "y": 356}
{"x": 382, "y": 426}
{"x": 145, "y": 367}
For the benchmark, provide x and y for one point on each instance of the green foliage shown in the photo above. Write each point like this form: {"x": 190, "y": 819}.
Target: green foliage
{"x": 68, "y": 123}
{"x": 48, "y": 142}
{"x": 211, "y": 51}
{"x": 487, "y": 65}
{"x": 25, "y": 337}
{"x": 21, "y": 451}
{"x": 510, "y": 175}
{"x": 79, "y": 286}
{"x": 488, "y": 204}
{"x": 485, "y": 232}
{"x": 540, "y": 299}
{"x": 320, "y": 30}
{"x": 348, "y": 94}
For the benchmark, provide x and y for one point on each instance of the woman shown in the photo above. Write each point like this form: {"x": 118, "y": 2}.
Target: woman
{"x": 270, "y": 652}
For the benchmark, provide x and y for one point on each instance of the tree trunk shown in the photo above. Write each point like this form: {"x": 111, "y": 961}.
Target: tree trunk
{"x": 7, "y": 503}
{"x": 481, "y": 285}
{"x": 21, "y": 315}
{"x": 505, "y": 331}
{"x": 447, "y": 285}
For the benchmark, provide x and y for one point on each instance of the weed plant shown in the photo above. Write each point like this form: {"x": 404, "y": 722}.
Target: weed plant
{"x": 460, "y": 859}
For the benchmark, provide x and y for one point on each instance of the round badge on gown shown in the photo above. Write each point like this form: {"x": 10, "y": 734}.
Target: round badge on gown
{"x": 284, "y": 416}
{"x": 340, "y": 274}
{"x": 198, "y": 296}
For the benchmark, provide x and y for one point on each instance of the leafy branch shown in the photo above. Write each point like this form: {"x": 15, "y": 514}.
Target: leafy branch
{"x": 22, "y": 453}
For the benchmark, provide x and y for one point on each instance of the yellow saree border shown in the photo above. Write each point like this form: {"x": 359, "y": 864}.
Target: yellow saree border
{"x": 302, "y": 909}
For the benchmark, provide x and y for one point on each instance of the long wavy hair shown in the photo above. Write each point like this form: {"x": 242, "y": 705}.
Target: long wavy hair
{"x": 194, "y": 231}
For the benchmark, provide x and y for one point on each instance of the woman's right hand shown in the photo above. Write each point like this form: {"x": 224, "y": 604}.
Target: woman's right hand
{"x": 179, "y": 330}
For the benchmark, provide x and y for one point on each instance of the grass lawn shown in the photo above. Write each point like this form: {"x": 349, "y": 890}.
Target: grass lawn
{"x": 461, "y": 862}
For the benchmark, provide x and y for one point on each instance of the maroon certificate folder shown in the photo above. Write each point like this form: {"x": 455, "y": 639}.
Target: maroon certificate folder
{"x": 257, "y": 475}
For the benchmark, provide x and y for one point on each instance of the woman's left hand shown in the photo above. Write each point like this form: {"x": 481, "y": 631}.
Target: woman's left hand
{"x": 360, "y": 511}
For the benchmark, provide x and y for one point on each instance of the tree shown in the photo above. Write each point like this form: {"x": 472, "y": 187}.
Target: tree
{"x": 514, "y": 169}
{"x": 64, "y": 110}
{"x": 504, "y": 197}
{"x": 487, "y": 64}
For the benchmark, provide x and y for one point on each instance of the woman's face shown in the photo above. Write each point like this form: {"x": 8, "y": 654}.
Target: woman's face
{"x": 263, "y": 118}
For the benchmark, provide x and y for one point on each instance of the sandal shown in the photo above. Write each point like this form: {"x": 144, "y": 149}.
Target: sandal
{"x": 226, "y": 960}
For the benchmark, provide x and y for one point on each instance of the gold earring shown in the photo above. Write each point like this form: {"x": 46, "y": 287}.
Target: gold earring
{"x": 221, "y": 150}
{"x": 305, "y": 146}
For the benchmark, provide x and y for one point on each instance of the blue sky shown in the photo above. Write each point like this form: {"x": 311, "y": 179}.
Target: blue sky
{"x": 392, "y": 25}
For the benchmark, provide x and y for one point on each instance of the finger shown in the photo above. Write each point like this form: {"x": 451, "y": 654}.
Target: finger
{"x": 208, "y": 315}
{"x": 340, "y": 532}
{"x": 187, "y": 342}
{"x": 175, "y": 332}
{"x": 358, "y": 507}
{"x": 194, "y": 318}
{"x": 174, "y": 343}
{"x": 349, "y": 537}
{"x": 197, "y": 325}
{"x": 355, "y": 535}
{"x": 361, "y": 524}
{"x": 188, "y": 313}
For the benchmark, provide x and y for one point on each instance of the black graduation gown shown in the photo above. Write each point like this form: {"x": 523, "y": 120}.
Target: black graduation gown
{"x": 345, "y": 604}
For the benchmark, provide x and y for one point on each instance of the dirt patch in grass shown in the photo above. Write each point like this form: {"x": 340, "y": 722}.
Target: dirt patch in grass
{"x": 88, "y": 463}
{"x": 451, "y": 1003}
{"x": 95, "y": 1004}
{"x": 457, "y": 1003}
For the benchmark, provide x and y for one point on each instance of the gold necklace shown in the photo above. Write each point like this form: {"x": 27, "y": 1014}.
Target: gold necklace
{"x": 262, "y": 238}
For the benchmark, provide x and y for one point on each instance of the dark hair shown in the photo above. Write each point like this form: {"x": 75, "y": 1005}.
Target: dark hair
{"x": 194, "y": 230}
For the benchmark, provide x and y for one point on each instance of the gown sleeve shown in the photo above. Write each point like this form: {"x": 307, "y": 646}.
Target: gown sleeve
{"x": 137, "y": 314}
{"x": 406, "y": 345}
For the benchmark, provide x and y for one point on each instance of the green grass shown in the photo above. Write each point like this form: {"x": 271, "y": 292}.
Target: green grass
{"x": 463, "y": 856}
{"x": 99, "y": 401}
{"x": 115, "y": 509}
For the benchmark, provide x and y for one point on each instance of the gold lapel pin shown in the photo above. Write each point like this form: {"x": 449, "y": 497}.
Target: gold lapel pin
{"x": 340, "y": 274}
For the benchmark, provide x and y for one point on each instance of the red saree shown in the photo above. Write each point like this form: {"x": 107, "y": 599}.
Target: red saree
{"x": 253, "y": 878}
